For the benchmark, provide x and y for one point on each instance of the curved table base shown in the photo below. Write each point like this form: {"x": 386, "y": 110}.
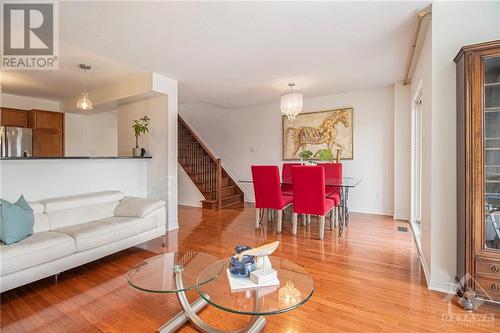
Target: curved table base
{"x": 190, "y": 311}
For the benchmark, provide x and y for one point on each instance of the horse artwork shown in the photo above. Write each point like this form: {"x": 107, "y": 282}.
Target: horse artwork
{"x": 319, "y": 130}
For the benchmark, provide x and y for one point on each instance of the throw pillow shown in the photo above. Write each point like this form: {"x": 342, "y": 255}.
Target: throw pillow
{"x": 16, "y": 220}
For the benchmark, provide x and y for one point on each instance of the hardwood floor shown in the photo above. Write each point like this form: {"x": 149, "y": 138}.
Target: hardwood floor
{"x": 369, "y": 280}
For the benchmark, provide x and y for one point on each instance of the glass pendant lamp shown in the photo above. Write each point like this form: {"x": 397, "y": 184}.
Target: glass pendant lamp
{"x": 292, "y": 103}
{"x": 84, "y": 102}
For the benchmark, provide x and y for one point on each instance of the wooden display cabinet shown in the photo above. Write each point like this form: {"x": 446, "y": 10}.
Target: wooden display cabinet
{"x": 478, "y": 170}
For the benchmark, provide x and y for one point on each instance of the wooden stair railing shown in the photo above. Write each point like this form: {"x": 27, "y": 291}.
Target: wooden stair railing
{"x": 206, "y": 171}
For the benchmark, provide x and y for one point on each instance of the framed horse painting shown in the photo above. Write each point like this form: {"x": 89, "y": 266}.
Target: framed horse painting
{"x": 332, "y": 129}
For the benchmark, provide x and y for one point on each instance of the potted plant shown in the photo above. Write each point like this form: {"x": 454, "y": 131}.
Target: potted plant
{"x": 305, "y": 155}
{"x": 324, "y": 155}
{"x": 140, "y": 127}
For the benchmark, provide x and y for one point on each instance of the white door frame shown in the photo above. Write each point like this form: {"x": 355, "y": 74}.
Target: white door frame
{"x": 416, "y": 157}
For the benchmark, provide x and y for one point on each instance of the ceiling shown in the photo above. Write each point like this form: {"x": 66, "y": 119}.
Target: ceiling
{"x": 232, "y": 54}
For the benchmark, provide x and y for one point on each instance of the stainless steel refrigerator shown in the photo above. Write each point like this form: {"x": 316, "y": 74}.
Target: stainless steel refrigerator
{"x": 15, "y": 142}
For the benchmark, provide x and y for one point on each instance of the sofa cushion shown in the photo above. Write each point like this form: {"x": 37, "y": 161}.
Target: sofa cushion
{"x": 16, "y": 220}
{"x": 74, "y": 216}
{"x": 41, "y": 219}
{"x": 36, "y": 249}
{"x": 77, "y": 209}
{"x": 138, "y": 207}
{"x": 102, "y": 232}
{"x": 87, "y": 199}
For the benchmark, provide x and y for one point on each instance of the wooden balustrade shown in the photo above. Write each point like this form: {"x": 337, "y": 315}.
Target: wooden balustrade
{"x": 206, "y": 170}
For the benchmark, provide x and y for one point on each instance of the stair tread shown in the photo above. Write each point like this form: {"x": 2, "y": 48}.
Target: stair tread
{"x": 232, "y": 204}
{"x": 222, "y": 188}
{"x": 232, "y": 196}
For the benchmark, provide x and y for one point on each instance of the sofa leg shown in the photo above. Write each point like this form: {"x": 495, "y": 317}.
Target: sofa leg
{"x": 294, "y": 223}
{"x": 332, "y": 214}
{"x": 56, "y": 278}
{"x": 321, "y": 227}
{"x": 257, "y": 218}
{"x": 279, "y": 219}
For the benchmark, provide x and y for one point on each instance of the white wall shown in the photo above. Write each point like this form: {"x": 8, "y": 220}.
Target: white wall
{"x": 232, "y": 133}
{"x": 188, "y": 192}
{"x": 27, "y": 103}
{"x": 454, "y": 24}
{"x": 402, "y": 151}
{"x": 422, "y": 83}
{"x": 156, "y": 143}
{"x": 472, "y": 22}
{"x": 42, "y": 179}
{"x": 91, "y": 135}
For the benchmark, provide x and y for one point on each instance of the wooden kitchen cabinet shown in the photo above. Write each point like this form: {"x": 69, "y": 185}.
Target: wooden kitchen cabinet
{"x": 48, "y": 132}
{"x": 13, "y": 117}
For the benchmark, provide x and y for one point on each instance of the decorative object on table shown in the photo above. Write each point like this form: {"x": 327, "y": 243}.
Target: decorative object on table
{"x": 305, "y": 155}
{"x": 324, "y": 155}
{"x": 289, "y": 295}
{"x": 263, "y": 275}
{"x": 292, "y": 103}
{"x": 140, "y": 127}
{"x": 16, "y": 222}
{"x": 313, "y": 131}
{"x": 262, "y": 254}
{"x": 236, "y": 283}
{"x": 337, "y": 157}
{"x": 84, "y": 102}
{"x": 242, "y": 266}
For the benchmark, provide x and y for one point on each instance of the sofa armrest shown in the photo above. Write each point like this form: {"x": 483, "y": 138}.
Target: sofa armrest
{"x": 137, "y": 207}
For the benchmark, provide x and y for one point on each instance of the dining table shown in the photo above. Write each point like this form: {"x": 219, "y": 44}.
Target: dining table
{"x": 344, "y": 184}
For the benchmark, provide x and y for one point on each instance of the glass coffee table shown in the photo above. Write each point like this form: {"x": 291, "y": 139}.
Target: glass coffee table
{"x": 181, "y": 272}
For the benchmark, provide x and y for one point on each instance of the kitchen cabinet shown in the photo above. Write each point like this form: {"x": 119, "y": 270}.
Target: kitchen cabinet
{"x": 13, "y": 117}
{"x": 48, "y": 132}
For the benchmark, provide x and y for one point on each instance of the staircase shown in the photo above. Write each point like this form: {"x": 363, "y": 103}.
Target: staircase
{"x": 206, "y": 171}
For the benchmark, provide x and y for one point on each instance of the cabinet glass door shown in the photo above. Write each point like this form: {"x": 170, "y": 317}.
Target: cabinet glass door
{"x": 491, "y": 112}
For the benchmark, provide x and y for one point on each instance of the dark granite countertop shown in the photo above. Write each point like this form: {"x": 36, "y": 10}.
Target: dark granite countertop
{"x": 74, "y": 158}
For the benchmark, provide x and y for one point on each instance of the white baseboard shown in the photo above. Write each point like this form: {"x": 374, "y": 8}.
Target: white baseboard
{"x": 443, "y": 286}
{"x": 401, "y": 217}
{"x": 189, "y": 204}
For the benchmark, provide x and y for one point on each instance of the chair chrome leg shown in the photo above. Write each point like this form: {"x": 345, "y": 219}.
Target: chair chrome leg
{"x": 321, "y": 227}
{"x": 332, "y": 214}
{"x": 279, "y": 220}
{"x": 294, "y": 223}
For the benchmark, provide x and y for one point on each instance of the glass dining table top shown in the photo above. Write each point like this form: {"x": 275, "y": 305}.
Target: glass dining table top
{"x": 295, "y": 288}
{"x": 158, "y": 274}
{"x": 340, "y": 182}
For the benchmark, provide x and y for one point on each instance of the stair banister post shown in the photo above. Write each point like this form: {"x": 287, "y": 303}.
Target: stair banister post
{"x": 219, "y": 183}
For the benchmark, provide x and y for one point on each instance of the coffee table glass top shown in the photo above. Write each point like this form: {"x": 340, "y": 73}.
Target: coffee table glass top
{"x": 157, "y": 274}
{"x": 296, "y": 287}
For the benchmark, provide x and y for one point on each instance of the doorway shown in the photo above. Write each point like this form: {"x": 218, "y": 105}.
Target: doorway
{"x": 416, "y": 165}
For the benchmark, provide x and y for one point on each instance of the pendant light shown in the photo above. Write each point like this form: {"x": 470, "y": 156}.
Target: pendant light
{"x": 292, "y": 103}
{"x": 84, "y": 102}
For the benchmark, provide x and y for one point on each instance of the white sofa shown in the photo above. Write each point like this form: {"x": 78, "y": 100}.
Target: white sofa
{"x": 73, "y": 230}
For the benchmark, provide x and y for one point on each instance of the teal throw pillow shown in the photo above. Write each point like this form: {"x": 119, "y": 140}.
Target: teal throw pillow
{"x": 16, "y": 220}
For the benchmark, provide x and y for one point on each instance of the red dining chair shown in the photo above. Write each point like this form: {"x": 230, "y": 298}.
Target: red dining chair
{"x": 332, "y": 171}
{"x": 267, "y": 189}
{"x": 309, "y": 195}
{"x": 286, "y": 177}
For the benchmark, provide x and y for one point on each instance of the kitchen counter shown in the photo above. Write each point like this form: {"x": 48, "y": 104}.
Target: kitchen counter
{"x": 74, "y": 158}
